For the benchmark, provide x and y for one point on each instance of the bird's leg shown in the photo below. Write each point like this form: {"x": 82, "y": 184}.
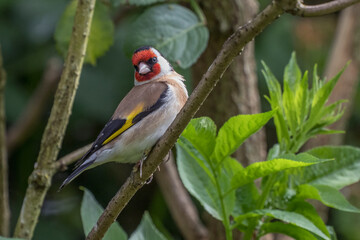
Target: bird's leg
{"x": 139, "y": 164}
{"x": 150, "y": 179}
{"x": 168, "y": 155}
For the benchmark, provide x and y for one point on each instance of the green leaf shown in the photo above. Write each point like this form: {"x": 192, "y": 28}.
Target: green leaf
{"x": 172, "y": 29}
{"x": 90, "y": 213}
{"x": 292, "y": 79}
{"x": 101, "y": 32}
{"x": 292, "y": 74}
{"x": 332, "y": 232}
{"x": 199, "y": 179}
{"x": 143, "y": 2}
{"x": 290, "y": 109}
{"x": 308, "y": 211}
{"x": 201, "y": 132}
{"x": 146, "y": 230}
{"x": 196, "y": 178}
{"x": 329, "y": 196}
{"x": 342, "y": 171}
{"x": 302, "y": 99}
{"x": 289, "y": 217}
{"x": 287, "y": 229}
{"x": 320, "y": 98}
{"x": 261, "y": 169}
{"x": 246, "y": 199}
{"x": 235, "y": 131}
{"x": 276, "y": 103}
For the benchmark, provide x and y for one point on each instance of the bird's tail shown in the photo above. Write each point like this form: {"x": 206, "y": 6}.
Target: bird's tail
{"x": 75, "y": 173}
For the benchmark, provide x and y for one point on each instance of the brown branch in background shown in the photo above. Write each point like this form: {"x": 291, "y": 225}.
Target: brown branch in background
{"x": 179, "y": 202}
{"x": 63, "y": 162}
{"x": 23, "y": 127}
{"x": 40, "y": 178}
{"x": 321, "y": 9}
{"x": 232, "y": 47}
{"x": 346, "y": 47}
{"x": 4, "y": 181}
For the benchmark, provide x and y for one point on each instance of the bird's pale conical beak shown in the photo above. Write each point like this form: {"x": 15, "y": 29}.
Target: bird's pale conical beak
{"x": 143, "y": 68}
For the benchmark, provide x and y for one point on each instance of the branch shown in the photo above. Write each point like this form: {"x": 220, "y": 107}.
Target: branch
{"x": 4, "y": 184}
{"x": 179, "y": 202}
{"x": 62, "y": 163}
{"x": 232, "y": 47}
{"x": 321, "y": 9}
{"x": 40, "y": 178}
{"x": 36, "y": 105}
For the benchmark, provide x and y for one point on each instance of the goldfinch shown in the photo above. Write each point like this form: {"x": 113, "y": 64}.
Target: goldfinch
{"x": 142, "y": 117}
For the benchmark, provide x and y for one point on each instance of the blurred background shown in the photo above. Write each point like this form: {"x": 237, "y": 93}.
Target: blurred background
{"x": 29, "y": 53}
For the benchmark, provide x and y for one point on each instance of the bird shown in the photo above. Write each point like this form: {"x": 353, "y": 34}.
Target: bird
{"x": 141, "y": 117}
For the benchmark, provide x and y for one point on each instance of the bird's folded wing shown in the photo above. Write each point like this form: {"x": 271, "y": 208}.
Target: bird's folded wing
{"x": 139, "y": 103}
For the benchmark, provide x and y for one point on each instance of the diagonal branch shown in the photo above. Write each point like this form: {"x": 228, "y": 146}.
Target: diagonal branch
{"x": 4, "y": 184}
{"x": 321, "y": 9}
{"x": 231, "y": 48}
{"x": 40, "y": 178}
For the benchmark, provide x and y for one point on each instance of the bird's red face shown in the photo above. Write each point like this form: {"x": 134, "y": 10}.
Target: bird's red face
{"x": 146, "y": 64}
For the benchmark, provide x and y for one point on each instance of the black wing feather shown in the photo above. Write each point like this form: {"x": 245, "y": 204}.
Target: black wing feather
{"x": 110, "y": 128}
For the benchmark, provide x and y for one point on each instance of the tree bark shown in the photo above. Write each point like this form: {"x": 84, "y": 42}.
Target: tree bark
{"x": 4, "y": 181}
{"x": 238, "y": 92}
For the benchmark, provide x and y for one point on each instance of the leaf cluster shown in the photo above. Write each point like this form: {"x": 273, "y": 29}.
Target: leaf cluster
{"x": 302, "y": 111}
{"x": 227, "y": 190}
{"x": 176, "y": 31}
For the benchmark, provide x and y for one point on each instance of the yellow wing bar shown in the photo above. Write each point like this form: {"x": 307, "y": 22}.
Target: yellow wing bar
{"x": 129, "y": 122}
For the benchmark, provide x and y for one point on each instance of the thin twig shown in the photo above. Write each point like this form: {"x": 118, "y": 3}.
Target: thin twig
{"x": 231, "y": 49}
{"x": 321, "y": 9}
{"x": 179, "y": 202}
{"x": 40, "y": 178}
{"x": 62, "y": 163}
{"x": 23, "y": 127}
{"x": 4, "y": 183}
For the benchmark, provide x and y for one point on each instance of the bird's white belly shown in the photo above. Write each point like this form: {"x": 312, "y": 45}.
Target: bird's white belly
{"x": 139, "y": 139}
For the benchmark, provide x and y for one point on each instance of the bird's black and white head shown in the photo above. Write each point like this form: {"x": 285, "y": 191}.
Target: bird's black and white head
{"x": 149, "y": 65}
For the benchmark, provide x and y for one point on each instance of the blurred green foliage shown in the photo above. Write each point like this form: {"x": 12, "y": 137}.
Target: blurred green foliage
{"x": 27, "y": 31}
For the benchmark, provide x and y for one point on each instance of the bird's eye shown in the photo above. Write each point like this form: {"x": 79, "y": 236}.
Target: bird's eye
{"x": 154, "y": 59}
{"x": 136, "y": 67}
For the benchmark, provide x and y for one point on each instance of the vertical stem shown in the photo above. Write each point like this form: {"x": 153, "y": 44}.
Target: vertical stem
{"x": 226, "y": 222}
{"x": 4, "y": 186}
{"x": 40, "y": 178}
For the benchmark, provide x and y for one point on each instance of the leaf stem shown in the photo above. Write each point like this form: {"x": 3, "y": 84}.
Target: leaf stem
{"x": 261, "y": 202}
{"x": 226, "y": 222}
{"x": 198, "y": 11}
